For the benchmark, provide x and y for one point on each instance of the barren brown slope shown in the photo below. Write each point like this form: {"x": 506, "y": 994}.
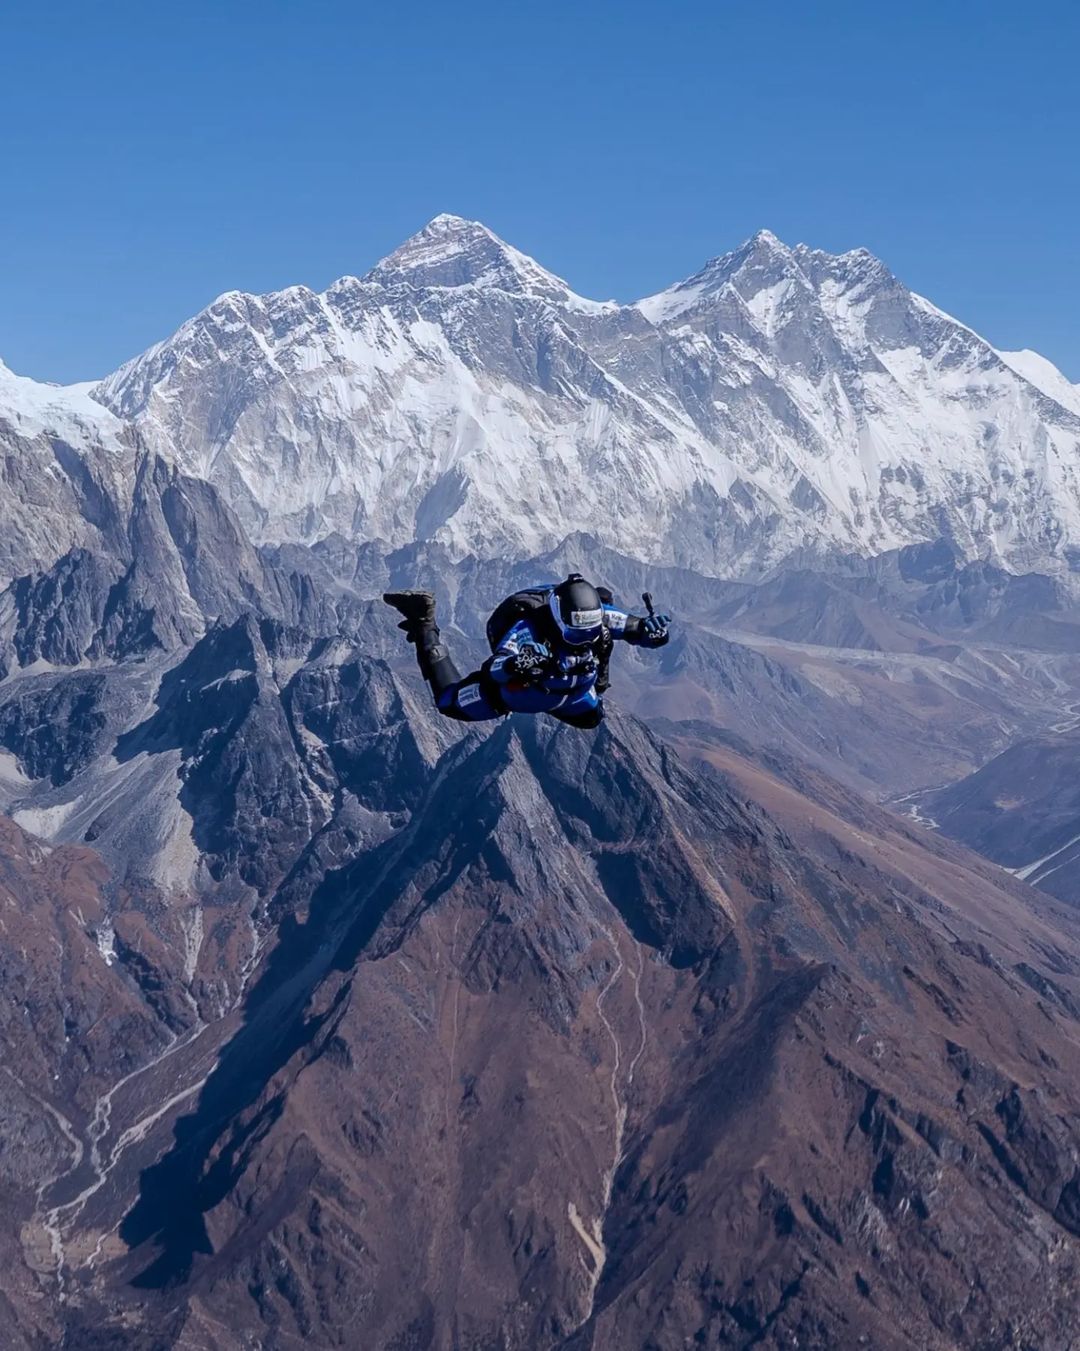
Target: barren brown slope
{"x": 605, "y": 1051}
{"x": 1022, "y": 809}
{"x": 73, "y": 1021}
{"x": 885, "y": 723}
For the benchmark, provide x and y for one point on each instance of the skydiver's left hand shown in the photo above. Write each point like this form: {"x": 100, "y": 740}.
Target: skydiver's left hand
{"x": 655, "y": 628}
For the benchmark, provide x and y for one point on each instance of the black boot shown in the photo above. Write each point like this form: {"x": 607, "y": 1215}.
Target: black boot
{"x": 418, "y": 608}
{"x": 433, "y": 658}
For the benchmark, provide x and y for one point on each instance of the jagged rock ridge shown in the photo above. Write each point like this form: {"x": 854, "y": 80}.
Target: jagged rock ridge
{"x": 498, "y": 1084}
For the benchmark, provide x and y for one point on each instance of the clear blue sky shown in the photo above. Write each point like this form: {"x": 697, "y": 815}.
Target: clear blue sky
{"x": 153, "y": 155}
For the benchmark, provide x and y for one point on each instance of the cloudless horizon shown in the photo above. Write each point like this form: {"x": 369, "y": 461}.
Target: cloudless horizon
{"x": 154, "y": 157}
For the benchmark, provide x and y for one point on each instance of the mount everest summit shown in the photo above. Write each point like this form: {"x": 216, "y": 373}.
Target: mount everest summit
{"x": 782, "y": 403}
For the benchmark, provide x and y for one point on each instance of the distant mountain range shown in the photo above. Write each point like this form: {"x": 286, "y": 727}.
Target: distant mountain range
{"x": 330, "y": 1022}
{"x": 781, "y": 403}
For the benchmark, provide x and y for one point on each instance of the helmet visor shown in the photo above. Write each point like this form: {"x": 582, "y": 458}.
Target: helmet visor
{"x": 578, "y": 627}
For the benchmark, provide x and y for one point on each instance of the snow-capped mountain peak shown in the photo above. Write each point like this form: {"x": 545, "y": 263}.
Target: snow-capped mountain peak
{"x": 780, "y": 400}
{"x": 1044, "y": 375}
{"x": 453, "y": 252}
{"x": 765, "y": 263}
{"x": 32, "y": 407}
{"x": 65, "y": 462}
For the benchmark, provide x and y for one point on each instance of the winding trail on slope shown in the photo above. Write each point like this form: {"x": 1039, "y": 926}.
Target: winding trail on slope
{"x": 41, "y": 1216}
{"x": 593, "y": 1237}
{"x": 58, "y": 1219}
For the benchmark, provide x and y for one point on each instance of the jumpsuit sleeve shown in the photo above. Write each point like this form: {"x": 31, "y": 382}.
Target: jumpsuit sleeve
{"x": 622, "y": 626}
{"x": 518, "y": 637}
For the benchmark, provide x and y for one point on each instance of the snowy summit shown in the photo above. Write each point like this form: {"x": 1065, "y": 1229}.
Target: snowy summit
{"x": 780, "y": 401}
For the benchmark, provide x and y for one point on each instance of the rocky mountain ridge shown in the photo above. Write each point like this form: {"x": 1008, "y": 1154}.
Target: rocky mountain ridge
{"x": 782, "y": 402}
{"x": 488, "y": 1081}
{"x": 330, "y": 1014}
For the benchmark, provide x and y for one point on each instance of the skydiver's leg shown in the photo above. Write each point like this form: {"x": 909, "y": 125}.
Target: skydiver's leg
{"x": 418, "y": 623}
{"x": 463, "y": 700}
{"x": 603, "y": 661}
{"x": 585, "y": 711}
{"x": 468, "y": 701}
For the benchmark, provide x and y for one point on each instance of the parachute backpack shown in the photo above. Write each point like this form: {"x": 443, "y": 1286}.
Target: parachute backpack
{"x": 514, "y": 608}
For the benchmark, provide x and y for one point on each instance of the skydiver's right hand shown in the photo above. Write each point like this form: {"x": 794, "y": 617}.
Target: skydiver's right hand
{"x": 531, "y": 664}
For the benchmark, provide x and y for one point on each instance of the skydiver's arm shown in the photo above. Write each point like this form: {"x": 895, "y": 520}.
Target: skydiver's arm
{"x": 631, "y": 628}
{"x": 620, "y": 625}
{"x": 502, "y": 664}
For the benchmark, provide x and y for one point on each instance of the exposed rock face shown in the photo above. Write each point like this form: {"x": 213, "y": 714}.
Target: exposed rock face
{"x": 67, "y": 469}
{"x": 182, "y": 561}
{"x": 205, "y": 776}
{"x": 600, "y": 1050}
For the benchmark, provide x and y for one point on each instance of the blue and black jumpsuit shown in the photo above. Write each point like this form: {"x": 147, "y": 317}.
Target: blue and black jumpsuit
{"x": 568, "y": 692}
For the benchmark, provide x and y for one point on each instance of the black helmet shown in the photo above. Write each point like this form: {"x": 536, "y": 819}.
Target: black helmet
{"x": 578, "y": 611}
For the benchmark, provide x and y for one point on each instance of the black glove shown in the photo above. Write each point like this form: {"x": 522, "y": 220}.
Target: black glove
{"x": 531, "y": 664}
{"x": 655, "y": 629}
